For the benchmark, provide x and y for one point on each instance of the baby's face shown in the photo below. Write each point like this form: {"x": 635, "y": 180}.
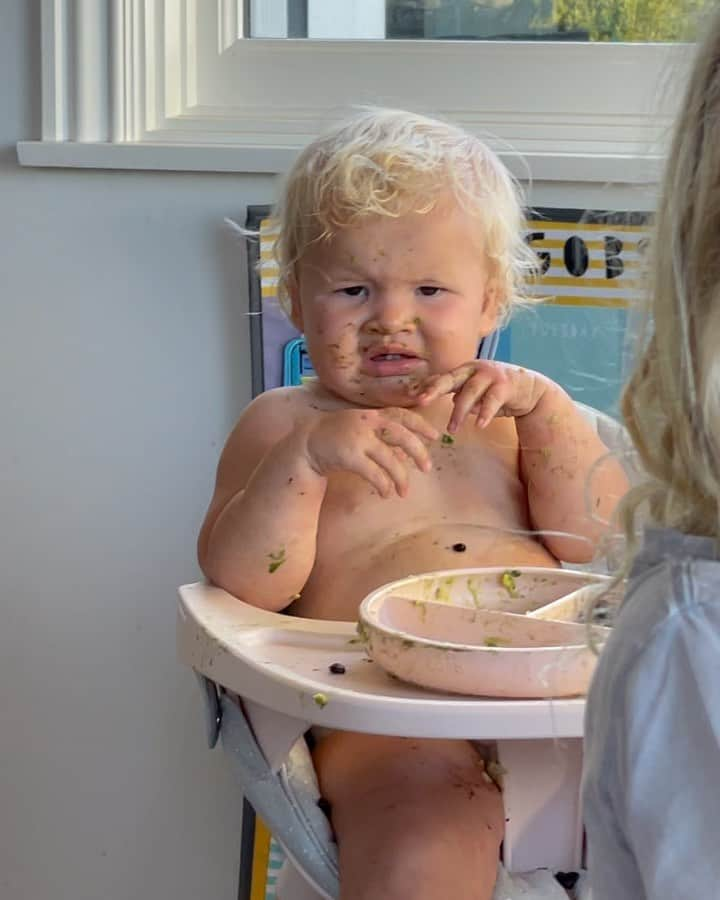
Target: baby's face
{"x": 388, "y": 302}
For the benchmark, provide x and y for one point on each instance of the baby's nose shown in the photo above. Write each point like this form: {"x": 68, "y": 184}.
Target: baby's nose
{"x": 393, "y": 312}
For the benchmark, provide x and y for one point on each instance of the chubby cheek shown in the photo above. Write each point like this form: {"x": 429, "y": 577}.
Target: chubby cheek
{"x": 333, "y": 347}
{"x": 329, "y": 325}
{"x": 451, "y": 347}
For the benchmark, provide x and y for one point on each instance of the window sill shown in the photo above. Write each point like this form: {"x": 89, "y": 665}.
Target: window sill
{"x": 567, "y": 167}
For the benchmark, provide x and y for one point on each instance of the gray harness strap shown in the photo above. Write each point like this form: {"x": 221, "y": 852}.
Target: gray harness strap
{"x": 300, "y": 827}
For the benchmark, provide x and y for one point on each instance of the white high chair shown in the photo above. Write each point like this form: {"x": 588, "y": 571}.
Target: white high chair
{"x": 267, "y": 681}
{"x": 279, "y": 666}
{"x": 260, "y": 671}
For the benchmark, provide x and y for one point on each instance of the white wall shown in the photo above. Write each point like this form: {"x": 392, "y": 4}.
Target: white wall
{"x": 123, "y": 363}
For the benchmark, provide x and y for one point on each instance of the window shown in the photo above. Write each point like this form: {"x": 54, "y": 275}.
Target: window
{"x": 179, "y": 84}
{"x": 554, "y": 20}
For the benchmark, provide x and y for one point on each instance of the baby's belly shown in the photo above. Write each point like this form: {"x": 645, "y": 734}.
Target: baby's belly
{"x": 335, "y": 589}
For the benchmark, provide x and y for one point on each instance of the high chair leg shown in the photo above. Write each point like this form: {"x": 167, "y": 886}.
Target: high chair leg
{"x": 542, "y": 804}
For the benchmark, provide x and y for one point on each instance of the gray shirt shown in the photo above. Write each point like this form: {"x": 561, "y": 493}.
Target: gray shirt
{"x": 651, "y": 784}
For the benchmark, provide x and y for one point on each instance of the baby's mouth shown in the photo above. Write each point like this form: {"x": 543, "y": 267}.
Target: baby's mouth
{"x": 392, "y": 356}
{"x": 384, "y": 362}
{"x": 390, "y": 351}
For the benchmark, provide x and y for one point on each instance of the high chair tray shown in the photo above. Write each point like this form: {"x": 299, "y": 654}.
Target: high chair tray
{"x": 284, "y": 663}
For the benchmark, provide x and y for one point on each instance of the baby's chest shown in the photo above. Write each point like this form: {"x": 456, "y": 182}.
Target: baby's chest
{"x": 463, "y": 482}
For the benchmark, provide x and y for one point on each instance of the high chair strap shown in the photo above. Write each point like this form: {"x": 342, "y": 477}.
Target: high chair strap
{"x": 299, "y": 830}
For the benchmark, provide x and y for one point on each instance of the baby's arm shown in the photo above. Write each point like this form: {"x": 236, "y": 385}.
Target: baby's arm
{"x": 258, "y": 537}
{"x": 571, "y": 489}
{"x": 258, "y": 540}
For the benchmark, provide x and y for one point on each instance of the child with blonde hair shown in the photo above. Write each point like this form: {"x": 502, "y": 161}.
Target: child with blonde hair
{"x": 400, "y": 248}
{"x": 652, "y": 761}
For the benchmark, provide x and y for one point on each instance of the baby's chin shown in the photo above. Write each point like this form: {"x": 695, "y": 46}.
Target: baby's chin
{"x": 402, "y": 393}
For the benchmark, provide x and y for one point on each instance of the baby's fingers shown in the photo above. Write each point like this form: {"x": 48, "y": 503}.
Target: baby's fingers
{"x": 401, "y": 438}
{"x": 447, "y": 383}
{"x": 413, "y": 423}
{"x": 392, "y": 468}
{"x": 468, "y": 399}
{"x": 375, "y": 475}
{"x": 491, "y": 405}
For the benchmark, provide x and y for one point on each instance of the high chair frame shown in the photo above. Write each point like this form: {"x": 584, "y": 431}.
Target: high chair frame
{"x": 261, "y": 709}
{"x": 261, "y": 719}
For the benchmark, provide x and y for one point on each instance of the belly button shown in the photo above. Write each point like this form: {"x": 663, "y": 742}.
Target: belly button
{"x": 459, "y": 548}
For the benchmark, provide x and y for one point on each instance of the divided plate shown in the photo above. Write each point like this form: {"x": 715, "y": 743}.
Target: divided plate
{"x": 494, "y": 632}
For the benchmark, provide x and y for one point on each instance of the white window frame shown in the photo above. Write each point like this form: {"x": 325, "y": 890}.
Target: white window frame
{"x": 174, "y": 84}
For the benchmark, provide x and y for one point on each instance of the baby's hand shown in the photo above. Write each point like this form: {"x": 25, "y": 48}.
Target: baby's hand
{"x": 486, "y": 389}
{"x": 375, "y": 444}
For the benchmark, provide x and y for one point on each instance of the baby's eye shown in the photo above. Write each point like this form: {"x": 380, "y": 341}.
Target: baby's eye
{"x": 354, "y": 290}
{"x": 430, "y": 290}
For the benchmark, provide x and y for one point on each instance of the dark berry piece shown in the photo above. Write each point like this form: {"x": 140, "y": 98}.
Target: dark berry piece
{"x": 568, "y": 880}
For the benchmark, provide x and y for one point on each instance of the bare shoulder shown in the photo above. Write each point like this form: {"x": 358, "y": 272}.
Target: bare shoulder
{"x": 275, "y": 409}
{"x": 269, "y": 418}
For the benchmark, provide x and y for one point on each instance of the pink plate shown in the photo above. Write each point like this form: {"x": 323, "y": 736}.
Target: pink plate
{"x": 465, "y": 631}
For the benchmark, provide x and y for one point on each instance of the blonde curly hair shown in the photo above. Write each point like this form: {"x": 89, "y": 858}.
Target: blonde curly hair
{"x": 389, "y": 162}
{"x": 671, "y": 403}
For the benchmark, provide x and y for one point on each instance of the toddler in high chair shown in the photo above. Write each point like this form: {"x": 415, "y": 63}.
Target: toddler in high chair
{"x": 652, "y": 752}
{"x": 400, "y": 248}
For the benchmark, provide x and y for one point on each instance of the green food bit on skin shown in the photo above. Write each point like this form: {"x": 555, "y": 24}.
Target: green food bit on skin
{"x": 447, "y": 439}
{"x": 276, "y": 560}
{"x": 495, "y": 772}
{"x": 320, "y": 699}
